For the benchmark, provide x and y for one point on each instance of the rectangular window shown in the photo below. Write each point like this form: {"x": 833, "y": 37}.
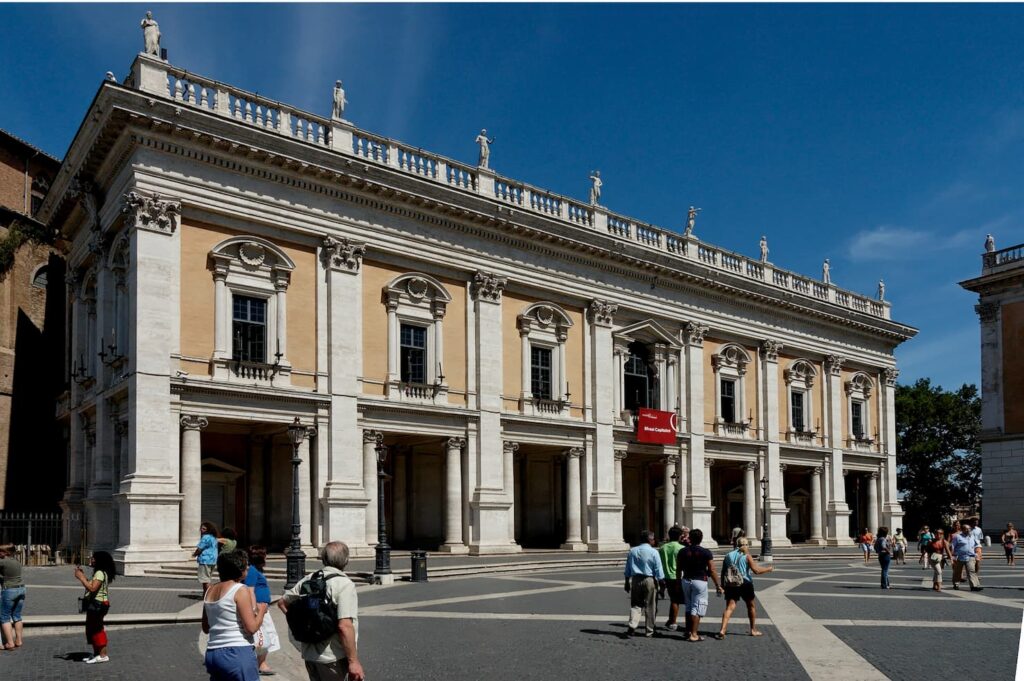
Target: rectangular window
{"x": 728, "y": 389}
{"x": 796, "y": 401}
{"x": 249, "y": 329}
{"x": 540, "y": 372}
{"x": 857, "y": 419}
{"x": 413, "y": 354}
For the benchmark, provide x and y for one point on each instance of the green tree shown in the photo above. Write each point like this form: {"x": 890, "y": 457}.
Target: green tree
{"x": 938, "y": 451}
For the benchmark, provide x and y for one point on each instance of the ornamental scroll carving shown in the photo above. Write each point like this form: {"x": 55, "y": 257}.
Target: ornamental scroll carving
{"x": 891, "y": 374}
{"x": 602, "y": 312}
{"x": 342, "y": 254}
{"x": 770, "y": 350}
{"x": 834, "y": 364}
{"x": 151, "y": 213}
{"x": 694, "y": 333}
{"x": 488, "y": 286}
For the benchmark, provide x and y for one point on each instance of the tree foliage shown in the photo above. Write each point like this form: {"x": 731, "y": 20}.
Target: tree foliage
{"x": 20, "y": 232}
{"x": 938, "y": 451}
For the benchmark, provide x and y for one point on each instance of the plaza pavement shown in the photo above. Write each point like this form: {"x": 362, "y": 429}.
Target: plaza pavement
{"x": 822, "y": 619}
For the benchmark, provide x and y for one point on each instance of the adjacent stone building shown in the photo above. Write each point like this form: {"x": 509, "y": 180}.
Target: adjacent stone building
{"x": 1000, "y": 307}
{"x": 236, "y": 263}
{"x": 31, "y": 334}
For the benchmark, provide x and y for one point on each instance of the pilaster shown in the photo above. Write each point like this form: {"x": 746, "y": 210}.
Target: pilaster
{"x": 836, "y": 510}
{"x": 777, "y": 510}
{"x": 697, "y": 512}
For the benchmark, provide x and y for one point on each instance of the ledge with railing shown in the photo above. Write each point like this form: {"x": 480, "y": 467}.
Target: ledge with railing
{"x": 162, "y": 79}
{"x": 1005, "y": 256}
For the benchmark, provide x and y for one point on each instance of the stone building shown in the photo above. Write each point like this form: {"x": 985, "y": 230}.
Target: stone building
{"x": 1000, "y": 307}
{"x": 237, "y": 263}
{"x": 31, "y": 333}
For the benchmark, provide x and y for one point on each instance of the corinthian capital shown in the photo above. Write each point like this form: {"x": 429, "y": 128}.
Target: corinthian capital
{"x": 151, "y": 213}
{"x": 694, "y": 333}
{"x": 342, "y": 254}
{"x": 488, "y": 286}
{"x": 891, "y": 374}
{"x": 193, "y": 422}
{"x": 602, "y": 312}
{"x": 987, "y": 312}
{"x": 834, "y": 364}
{"x": 770, "y": 350}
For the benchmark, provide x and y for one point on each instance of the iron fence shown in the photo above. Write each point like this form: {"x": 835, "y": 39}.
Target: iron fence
{"x": 38, "y": 538}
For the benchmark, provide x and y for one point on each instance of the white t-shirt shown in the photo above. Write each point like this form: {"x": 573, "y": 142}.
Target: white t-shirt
{"x": 342, "y": 593}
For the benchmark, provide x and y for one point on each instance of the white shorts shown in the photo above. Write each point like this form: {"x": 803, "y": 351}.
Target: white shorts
{"x": 696, "y": 591}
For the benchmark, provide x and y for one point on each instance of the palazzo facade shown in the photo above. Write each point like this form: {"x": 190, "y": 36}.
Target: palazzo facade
{"x": 236, "y": 263}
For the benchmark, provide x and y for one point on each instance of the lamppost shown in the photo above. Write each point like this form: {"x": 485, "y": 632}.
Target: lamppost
{"x": 766, "y": 532}
{"x": 296, "y": 559}
{"x": 382, "y": 568}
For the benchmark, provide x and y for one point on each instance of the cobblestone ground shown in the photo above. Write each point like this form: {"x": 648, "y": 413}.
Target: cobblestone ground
{"x": 816, "y": 616}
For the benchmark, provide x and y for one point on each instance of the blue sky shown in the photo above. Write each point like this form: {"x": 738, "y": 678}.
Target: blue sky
{"x": 887, "y": 138}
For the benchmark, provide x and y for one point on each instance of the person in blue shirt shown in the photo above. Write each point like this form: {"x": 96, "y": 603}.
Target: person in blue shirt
{"x": 965, "y": 557}
{"x": 266, "y": 639}
{"x": 643, "y": 576}
{"x": 206, "y": 554}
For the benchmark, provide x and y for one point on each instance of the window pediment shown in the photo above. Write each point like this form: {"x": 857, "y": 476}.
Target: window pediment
{"x": 544, "y": 316}
{"x": 252, "y": 254}
{"x": 800, "y": 371}
{"x": 648, "y": 332}
{"x": 731, "y": 357}
{"x": 860, "y": 385}
{"x": 417, "y": 290}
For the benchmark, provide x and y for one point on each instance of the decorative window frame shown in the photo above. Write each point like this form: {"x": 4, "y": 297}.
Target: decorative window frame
{"x": 799, "y": 377}
{"x": 858, "y": 389}
{"x": 731, "y": 362}
{"x": 546, "y": 325}
{"x": 251, "y": 266}
{"x": 418, "y": 299}
{"x": 665, "y": 362}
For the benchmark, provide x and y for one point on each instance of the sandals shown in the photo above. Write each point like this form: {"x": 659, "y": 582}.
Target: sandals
{"x": 719, "y": 637}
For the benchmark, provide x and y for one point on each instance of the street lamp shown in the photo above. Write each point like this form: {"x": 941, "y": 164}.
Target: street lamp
{"x": 296, "y": 559}
{"x": 766, "y": 532}
{"x": 382, "y": 568}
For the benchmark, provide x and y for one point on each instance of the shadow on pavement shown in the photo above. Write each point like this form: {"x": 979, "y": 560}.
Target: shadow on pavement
{"x": 73, "y": 657}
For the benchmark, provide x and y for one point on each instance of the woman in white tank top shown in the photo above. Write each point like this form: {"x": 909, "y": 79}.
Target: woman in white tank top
{"x": 229, "y": 617}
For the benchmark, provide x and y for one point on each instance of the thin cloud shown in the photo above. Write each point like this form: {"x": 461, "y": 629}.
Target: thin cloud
{"x": 887, "y": 242}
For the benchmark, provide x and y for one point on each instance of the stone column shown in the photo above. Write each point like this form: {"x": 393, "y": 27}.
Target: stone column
{"x": 816, "y": 537}
{"x": 698, "y": 500}
{"x": 620, "y": 456}
{"x": 872, "y": 483}
{"x": 837, "y": 512}
{"x": 750, "y": 500}
{"x": 573, "y": 521}
{"x": 305, "y": 493}
{"x": 526, "y": 393}
{"x": 191, "y": 478}
{"x": 892, "y": 510}
{"x": 508, "y": 463}
{"x": 453, "y": 497}
{"x": 221, "y": 314}
{"x": 708, "y": 463}
{"x": 281, "y": 342}
{"x": 371, "y": 438}
{"x": 769, "y": 353}
{"x": 668, "y": 507}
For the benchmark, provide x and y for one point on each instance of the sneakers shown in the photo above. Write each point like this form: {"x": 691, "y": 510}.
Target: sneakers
{"x": 96, "y": 659}
{"x": 956, "y": 585}
{"x": 672, "y": 627}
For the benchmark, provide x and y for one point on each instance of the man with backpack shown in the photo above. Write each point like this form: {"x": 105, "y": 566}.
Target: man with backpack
{"x": 322, "y": 613}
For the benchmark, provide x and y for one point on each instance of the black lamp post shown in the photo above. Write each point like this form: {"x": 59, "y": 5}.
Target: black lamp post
{"x": 382, "y": 567}
{"x": 296, "y": 559}
{"x": 766, "y": 531}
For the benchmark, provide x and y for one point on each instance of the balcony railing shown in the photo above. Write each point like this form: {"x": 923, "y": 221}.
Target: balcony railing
{"x": 1005, "y": 256}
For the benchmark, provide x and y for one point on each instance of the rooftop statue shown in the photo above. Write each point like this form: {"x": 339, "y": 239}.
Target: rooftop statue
{"x": 151, "y": 35}
{"x": 826, "y": 272}
{"x": 764, "y": 248}
{"x": 691, "y": 220}
{"x": 990, "y": 244}
{"x": 485, "y": 149}
{"x": 595, "y": 187}
{"x": 881, "y": 290}
{"x": 338, "y": 108}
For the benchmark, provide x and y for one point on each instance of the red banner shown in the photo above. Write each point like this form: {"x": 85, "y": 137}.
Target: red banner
{"x": 656, "y": 427}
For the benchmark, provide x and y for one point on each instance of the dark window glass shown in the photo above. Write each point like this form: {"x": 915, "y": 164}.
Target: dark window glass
{"x": 249, "y": 329}
{"x": 540, "y": 372}
{"x": 857, "y": 419}
{"x": 413, "y": 346}
{"x": 728, "y": 391}
{"x": 796, "y": 399}
{"x": 639, "y": 381}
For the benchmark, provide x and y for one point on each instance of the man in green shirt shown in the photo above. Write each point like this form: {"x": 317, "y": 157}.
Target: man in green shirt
{"x": 668, "y": 552}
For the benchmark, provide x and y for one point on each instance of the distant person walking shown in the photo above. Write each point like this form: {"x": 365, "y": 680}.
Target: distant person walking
{"x": 643, "y": 574}
{"x": 265, "y": 640}
{"x": 231, "y": 618}
{"x": 206, "y": 554}
{"x": 697, "y": 564}
{"x": 979, "y": 536}
{"x": 924, "y": 538}
{"x": 745, "y": 567}
{"x": 965, "y": 557}
{"x": 938, "y": 555}
{"x": 899, "y": 541}
{"x": 673, "y": 581}
{"x": 866, "y": 539}
{"x": 884, "y": 549}
{"x": 96, "y": 603}
{"x": 12, "y": 597}
{"x": 333, "y": 654}
{"x": 1009, "y": 540}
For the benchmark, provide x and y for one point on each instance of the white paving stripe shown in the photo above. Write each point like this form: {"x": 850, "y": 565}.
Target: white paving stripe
{"x": 924, "y": 624}
{"x": 478, "y": 597}
{"x": 1020, "y": 654}
{"x": 881, "y": 594}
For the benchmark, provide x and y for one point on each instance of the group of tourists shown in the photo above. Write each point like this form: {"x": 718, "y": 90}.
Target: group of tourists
{"x": 681, "y": 567}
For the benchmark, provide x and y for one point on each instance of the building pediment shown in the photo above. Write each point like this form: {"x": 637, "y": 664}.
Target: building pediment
{"x": 648, "y": 331}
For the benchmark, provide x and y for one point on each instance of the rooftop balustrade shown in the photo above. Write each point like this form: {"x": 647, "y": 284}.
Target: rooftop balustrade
{"x": 162, "y": 79}
{"x": 1006, "y": 256}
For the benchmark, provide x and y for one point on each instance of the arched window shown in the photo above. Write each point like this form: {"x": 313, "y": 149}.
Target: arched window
{"x": 543, "y": 330}
{"x": 730, "y": 367}
{"x": 416, "y": 305}
{"x": 858, "y": 415}
{"x": 40, "y": 277}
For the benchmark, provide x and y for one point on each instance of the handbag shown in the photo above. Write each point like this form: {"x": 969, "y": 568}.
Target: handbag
{"x": 935, "y": 558}
{"x": 732, "y": 576}
{"x": 88, "y": 603}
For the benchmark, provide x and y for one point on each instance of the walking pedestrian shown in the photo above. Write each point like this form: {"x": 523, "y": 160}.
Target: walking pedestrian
{"x": 96, "y": 603}
{"x": 12, "y": 598}
{"x": 866, "y": 539}
{"x": 924, "y": 538}
{"x": 333, "y": 653}
{"x": 938, "y": 555}
{"x": 899, "y": 541}
{"x": 979, "y": 536}
{"x": 227, "y": 541}
{"x": 697, "y": 564}
{"x": 745, "y": 567}
{"x": 643, "y": 574}
{"x": 884, "y": 550}
{"x": 965, "y": 557}
{"x": 231, "y": 618}
{"x": 206, "y": 554}
{"x": 265, "y": 640}
{"x": 673, "y": 582}
{"x": 1009, "y": 540}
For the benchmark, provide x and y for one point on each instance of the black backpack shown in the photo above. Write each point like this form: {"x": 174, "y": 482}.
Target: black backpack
{"x": 313, "y": 617}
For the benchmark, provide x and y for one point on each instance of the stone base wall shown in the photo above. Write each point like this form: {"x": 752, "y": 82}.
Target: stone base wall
{"x": 1002, "y": 470}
